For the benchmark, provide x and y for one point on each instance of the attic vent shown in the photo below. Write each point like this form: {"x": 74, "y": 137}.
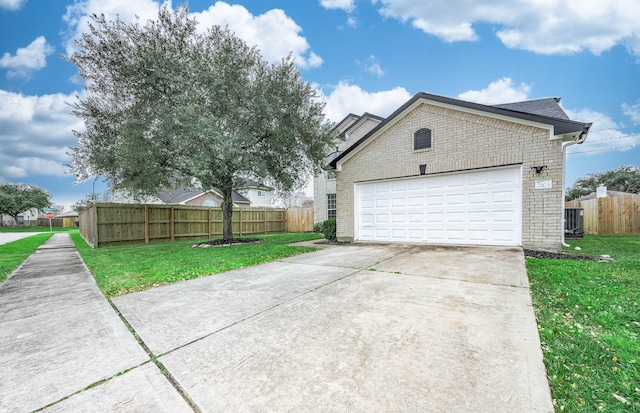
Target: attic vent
{"x": 422, "y": 139}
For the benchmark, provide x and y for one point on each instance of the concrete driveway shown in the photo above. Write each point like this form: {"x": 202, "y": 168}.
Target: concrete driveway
{"x": 356, "y": 328}
{"x": 352, "y": 328}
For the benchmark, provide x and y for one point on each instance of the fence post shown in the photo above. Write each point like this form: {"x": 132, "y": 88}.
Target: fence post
{"x": 209, "y": 223}
{"x": 172, "y": 224}
{"x": 240, "y": 224}
{"x": 265, "y": 219}
{"x": 146, "y": 224}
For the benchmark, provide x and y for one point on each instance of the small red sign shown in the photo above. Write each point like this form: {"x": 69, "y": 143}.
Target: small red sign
{"x": 48, "y": 215}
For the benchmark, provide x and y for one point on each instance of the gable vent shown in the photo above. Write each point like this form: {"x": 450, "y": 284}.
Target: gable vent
{"x": 422, "y": 139}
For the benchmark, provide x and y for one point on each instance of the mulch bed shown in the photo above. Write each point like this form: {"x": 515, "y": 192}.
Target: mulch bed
{"x": 219, "y": 242}
{"x": 562, "y": 256}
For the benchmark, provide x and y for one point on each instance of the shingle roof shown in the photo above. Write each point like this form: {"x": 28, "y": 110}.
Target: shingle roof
{"x": 357, "y": 122}
{"x": 545, "y": 107}
{"x": 561, "y": 125}
{"x": 182, "y": 194}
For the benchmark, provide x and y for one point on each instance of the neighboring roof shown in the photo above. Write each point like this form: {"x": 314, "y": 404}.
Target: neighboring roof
{"x": 609, "y": 194}
{"x": 549, "y": 107}
{"x": 346, "y": 119}
{"x": 68, "y": 214}
{"x": 561, "y": 126}
{"x": 360, "y": 119}
{"x": 183, "y": 194}
{"x": 251, "y": 183}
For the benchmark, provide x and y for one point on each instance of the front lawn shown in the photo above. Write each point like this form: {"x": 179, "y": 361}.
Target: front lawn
{"x": 589, "y": 322}
{"x": 128, "y": 268}
{"x": 13, "y": 253}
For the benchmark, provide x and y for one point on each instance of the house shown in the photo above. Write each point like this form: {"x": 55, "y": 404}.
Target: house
{"x": 348, "y": 130}
{"x": 28, "y": 218}
{"x": 445, "y": 171}
{"x": 258, "y": 194}
{"x": 199, "y": 197}
{"x": 253, "y": 194}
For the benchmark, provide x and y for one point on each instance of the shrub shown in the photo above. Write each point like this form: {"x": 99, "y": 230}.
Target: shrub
{"x": 329, "y": 229}
{"x": 317, "y": 227}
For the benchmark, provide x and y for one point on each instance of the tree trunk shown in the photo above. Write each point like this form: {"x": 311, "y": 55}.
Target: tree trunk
{"x": 15, "y": 219}
{"x": 227, "y": 213}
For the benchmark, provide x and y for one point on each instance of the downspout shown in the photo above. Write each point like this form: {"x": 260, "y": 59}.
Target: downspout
{"x": 578, "y": 140}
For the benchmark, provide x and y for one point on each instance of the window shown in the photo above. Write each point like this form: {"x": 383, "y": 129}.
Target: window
{"x": 210, "y": 203}
{"x": 261, "y": 194}
{"x": 422, "y": 139}
{"x": 331, "y": 206}
{"x": 331, "y": 175}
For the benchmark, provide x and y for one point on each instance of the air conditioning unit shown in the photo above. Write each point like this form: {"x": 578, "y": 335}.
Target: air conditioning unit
{"x": 574, "y": 222}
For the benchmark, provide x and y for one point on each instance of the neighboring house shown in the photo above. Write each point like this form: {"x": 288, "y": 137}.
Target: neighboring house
{"x": 446, "y": 171}
{"x": 349, "y": 130}
{"x": 199, "y": 197}
{"x": 27, "y": 218}
{"x": 257, "y": 193}
{"x": 610, "y": 194}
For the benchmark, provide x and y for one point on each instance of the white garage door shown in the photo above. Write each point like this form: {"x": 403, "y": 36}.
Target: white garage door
{"x": 482, "y": 207}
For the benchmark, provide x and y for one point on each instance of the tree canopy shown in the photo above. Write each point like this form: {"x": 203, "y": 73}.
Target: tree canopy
{"x": 18, "y": 198}
{"x": 622, "y": 179}
{"x": 167, "y": 104}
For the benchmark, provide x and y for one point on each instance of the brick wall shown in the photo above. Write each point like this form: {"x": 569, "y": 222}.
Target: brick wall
{"x": 462, "y": 141}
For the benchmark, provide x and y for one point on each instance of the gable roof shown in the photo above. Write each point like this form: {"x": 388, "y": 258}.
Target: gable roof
{"x": 183, "y": 194}
{"x": 357, "y": 123}
{"x": 549, "y": 107}
{"x": 560, "y": 125}
{"x": 252, "y": 183}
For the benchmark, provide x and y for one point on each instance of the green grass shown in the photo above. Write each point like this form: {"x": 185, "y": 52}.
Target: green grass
{"x": 589, "y": 322}
{"x": 13, "y": 253}
{"x": 128, "y": 268}
{"x": 37, "y": 229}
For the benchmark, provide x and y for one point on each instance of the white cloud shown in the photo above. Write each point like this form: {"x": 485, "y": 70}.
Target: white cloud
{"x": 541, "y": 26}
{"x": 35, "y": 132}
{"x": 77, "y": 15}
{"x": 12, "y": 4}
{"x": 346, "y": 5}
{"x": 373, "y": 67}
{"x": 352, "y": 21}
{"x": 633, "y": 111}
{"x": 500, "y": 91}
{"x": 346, "y": 98}
{"x": 273, "y": 32}
{"x": 27, "y": 59}
{"x": 605, "y": 133}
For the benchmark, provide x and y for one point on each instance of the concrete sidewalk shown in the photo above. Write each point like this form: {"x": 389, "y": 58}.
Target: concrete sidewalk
{"x": 58, "y": 335}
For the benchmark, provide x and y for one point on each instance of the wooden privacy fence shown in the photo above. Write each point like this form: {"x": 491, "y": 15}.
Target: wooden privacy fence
{"x": 610, "y": 215}
{"x": 102, "y": 224}
{"x": 300, "y": 219}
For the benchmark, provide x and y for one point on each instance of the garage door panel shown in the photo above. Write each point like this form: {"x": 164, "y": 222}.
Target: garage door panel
{"x": 480, "y": 207}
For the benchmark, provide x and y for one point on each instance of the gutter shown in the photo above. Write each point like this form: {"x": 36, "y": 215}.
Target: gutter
{"x": 578, "y": 140}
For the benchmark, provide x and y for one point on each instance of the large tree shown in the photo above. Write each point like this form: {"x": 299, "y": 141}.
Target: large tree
{"x": 623, "y": 179}
{"x": 167, "y": 104}
{"x": 18, "y": 198}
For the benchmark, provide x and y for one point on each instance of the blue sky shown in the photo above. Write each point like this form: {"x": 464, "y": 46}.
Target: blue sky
{"x": 361, "y": 55}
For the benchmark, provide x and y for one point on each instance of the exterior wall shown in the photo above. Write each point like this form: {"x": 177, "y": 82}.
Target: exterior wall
{"x": 462, "y": 141}
{"x": 321, "y": 187}
{"x": 362, "y": 129}
{"x": 256, "y": 201}
{"x": 321, "y": 184}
